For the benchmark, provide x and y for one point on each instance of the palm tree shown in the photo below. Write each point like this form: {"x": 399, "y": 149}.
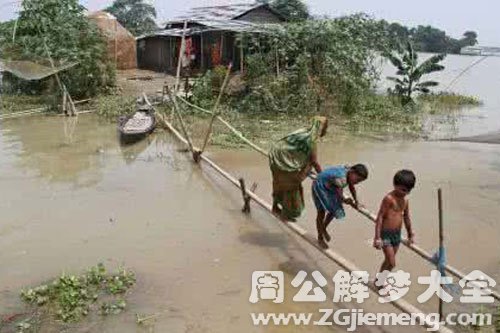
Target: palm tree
{"x": 135, "y": 15}
{"x": 410, "y": 72}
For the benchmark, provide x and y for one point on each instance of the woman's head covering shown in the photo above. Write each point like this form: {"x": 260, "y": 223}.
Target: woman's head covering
{"x": 292, "y": 153}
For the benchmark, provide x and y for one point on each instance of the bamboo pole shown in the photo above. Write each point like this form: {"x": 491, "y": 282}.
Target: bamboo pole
{"x": 295, "y": 228}
{"x": 277, "y": 62}
{"x": 59, "y": 82}
{"x": 441, "y": 244}
{"x": 179, "y": 61}
{"x": 246, "y": 197}
{"x": 234, "y": 130}
{"x": 242, "y": 55}
{"x": 179, "y": 116}
{"x": 216, "y": 106}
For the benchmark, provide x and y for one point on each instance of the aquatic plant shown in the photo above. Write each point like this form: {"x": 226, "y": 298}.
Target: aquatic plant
{"x": 444, "y": 101}
{"x": 113, "y": 106}
{"x": 71, "y": 297}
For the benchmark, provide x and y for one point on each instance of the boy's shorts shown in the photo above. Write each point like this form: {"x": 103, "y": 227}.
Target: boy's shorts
{"x": 391, "y": 237}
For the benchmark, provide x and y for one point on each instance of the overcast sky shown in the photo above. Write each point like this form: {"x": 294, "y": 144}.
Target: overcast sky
{"x": 453, "y": 16}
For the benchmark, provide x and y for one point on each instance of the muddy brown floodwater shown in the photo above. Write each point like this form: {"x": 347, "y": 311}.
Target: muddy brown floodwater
{"x": 71, "y": 197}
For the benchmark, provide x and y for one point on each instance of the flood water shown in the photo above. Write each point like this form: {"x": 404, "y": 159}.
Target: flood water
{"x": 468, "y": 75}
{"x": 72, "y": 197}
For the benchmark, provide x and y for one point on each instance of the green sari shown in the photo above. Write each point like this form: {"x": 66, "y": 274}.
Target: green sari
{"x": 290, "y": 162}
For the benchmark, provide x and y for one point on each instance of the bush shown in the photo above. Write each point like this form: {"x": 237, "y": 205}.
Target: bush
{"x": 325, "y": 66}
{"x": 69, "y": 36}
{"x": 113, "y": 106}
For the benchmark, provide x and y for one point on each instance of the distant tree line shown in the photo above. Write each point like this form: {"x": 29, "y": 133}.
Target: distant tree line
{"x": 426, "y": 38}
{"x": 423, "y": 38}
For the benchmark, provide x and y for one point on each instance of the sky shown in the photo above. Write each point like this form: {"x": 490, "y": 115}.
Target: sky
{"x": 453, "y": 16}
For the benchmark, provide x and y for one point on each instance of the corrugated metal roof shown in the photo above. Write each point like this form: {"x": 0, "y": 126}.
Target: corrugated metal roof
{"x": 217, "y": 13}
{"x": 212, "y": 25}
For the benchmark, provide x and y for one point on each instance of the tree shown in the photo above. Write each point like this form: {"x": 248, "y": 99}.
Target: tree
{"x": 470, "y": 38}
{"x": 410, "y": 72}
{"x": 59, "y": 28}
{"x": 135, "y": 15}
{"x": 291, "y": 10}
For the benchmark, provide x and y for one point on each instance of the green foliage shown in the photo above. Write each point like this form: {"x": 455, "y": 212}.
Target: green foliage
{"x": 113, "y": 308}
{"x": 207, "y": 87}
{"x": 113, "y": 106}
{"x": 69, "y": 36}
{"x": 410, "y": 72}
{"x": 121, "y": 282}
{"x": 427, "y": 38}
{"x": 291, "y": 10}
{"x": 17, "y": 103}
{"x": 384, "y": 113}
{"x": 444, "y": 101}
{"x": 135, "y": 15}
{"x": 324, "y": 66}
{"x": 70, "y": 297}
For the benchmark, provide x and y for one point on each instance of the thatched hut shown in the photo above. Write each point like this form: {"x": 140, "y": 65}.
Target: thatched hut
{"x": 121, "y": 43}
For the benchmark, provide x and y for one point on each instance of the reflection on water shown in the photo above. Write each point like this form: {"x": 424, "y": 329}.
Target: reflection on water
{"x": 59, "y": 149}
{"x": 71, "y": 150}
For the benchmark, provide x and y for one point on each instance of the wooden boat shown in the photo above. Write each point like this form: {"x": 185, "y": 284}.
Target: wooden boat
{"x": 137, "y": 126}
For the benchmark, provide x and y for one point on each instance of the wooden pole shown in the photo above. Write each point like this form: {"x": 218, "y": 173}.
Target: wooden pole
{"x": 277, "y": 63}
{"x": 441, "y": 245}
{"x": 15, "y": 29}
{"x": 59, "y": 82}
{"x": 216, "y": 106}
{"x": 246, "y": 197}
{"x": 295, "y": 228}
{"x": 179, "y": 62}
{"x": 234, "y": 130}
{"x": 242, "y": 55}
{"x": 116, "y": 42}
{"x": 179, "y": 116}
{"x": 202, "y": 60}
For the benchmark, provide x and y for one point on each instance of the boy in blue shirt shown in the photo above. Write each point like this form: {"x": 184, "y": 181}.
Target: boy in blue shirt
{"x": 328, "y": 195}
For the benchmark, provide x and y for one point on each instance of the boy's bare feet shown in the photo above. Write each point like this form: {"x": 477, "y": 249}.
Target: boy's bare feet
{"x": 322, "y": 243}
{"x": 327, "y": 236}
{"x": 276, "y": 210}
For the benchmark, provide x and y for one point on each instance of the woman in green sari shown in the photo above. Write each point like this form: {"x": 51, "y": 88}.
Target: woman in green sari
{"x": 291, "y": 160}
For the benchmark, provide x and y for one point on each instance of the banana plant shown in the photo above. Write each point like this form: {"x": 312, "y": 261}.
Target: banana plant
{"x": 410, "y": 72}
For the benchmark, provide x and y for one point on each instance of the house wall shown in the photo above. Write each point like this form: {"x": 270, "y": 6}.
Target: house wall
{"x": 260, "y": 15}
{"x": 214, "y": 48}
{"x": 157, "y": 54}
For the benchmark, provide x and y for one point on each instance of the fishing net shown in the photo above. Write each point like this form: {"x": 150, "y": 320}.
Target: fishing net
{"x": 121, "y": 45}
{"x": 30, "y": 70}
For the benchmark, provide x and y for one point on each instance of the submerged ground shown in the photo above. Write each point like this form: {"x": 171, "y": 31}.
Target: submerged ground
{"x": 72, "y": 197}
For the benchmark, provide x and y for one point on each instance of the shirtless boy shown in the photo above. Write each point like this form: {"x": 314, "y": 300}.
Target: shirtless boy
{"x": 394, "y": 210}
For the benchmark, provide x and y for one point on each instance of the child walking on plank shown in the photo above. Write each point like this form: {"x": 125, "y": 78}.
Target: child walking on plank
{"x": 328, "y": 195}
{"x": 394, "y": 211}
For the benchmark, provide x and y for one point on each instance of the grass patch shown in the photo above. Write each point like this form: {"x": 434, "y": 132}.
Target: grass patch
{"x": 70, "y": 298}
{"x": 113, "y": 106}
{"x": 446, "y": 102}
{"x": 17, "y": 103}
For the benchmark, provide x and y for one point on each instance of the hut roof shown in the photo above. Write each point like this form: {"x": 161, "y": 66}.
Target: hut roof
{"x": 218, "y": 13}
{"x": 206, "y": 25}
